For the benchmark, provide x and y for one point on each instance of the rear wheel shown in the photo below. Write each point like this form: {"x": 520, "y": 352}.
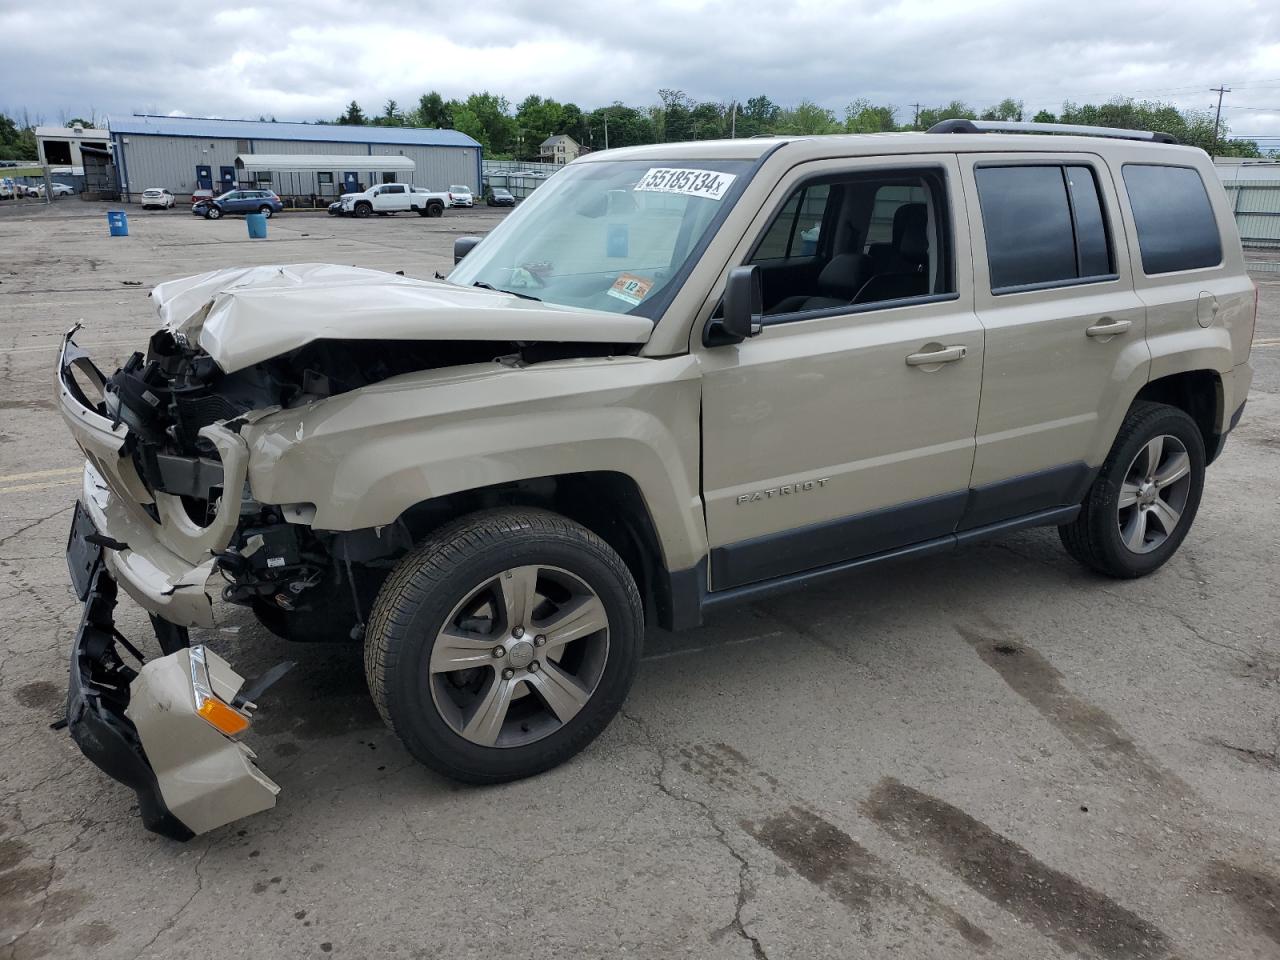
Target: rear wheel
{"x": 504, "y": 645}
{"x": 1145, "y": 498}
{"x": 435, "y": 209}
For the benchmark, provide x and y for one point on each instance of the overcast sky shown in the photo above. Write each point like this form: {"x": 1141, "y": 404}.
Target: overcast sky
{"x": 304, "y": 61}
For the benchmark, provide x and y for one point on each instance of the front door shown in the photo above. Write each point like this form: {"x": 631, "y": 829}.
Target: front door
{"x": 1066, "y": 338}
{"x": 227, "y": 177}
{"x": 846, "y": 427}
{"x": 204, "y": 177}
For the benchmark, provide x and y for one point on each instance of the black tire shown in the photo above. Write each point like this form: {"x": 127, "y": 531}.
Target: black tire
{"x": 363, "y": 209}
{"x": 212, "y": 213}
{"x": 435, "y": 209}
{"x": 265, "y": 211}
{"x": 1094, "y": 537}
{"x": 426, "y": 587}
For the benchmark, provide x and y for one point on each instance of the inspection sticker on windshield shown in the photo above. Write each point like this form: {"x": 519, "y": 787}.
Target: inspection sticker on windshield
{"x": 631, "y": 288}
{"x": 693, "y": 183}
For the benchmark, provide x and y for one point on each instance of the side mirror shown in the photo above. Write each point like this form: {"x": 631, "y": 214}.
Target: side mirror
{"x": 742, "y": 307}
{"x": 462, "y": 246}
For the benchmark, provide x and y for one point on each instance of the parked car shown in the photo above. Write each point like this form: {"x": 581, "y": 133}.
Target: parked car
{"x": 991, "y": 332}
{"x": 157, "y": 197}
{"x": 199, "y": 196}
{"x": 59, "y": 190}
{"x": 264, "y": 202}
{"x": 389, "y": 198}
{"x": 8, "y": 188}
{"x": 499, "y": 197}
{"x": 460, "y": 196}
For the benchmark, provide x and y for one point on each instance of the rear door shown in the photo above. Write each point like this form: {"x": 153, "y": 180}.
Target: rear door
{"x": 844, "y": 431}
{"x": 392, "y": 197}
{"x": 1065, "y": 331}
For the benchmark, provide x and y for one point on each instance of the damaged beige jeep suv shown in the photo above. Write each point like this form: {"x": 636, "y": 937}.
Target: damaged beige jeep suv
{"x": 676, "y": 377}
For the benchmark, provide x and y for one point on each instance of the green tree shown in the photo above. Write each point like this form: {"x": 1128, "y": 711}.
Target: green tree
{"x": 806, "y": 118}
{"x": 16, "y": 142}
{"x": 432, "y": 112}
{"x": 708, "y": 121}
{"x": 759, "y": 115}
{"x": 354, "y": 116}
{"x": 863, "y": 116}
{"x": 1192, "y": 127}
{"x": 1006, "y": 109}
{"x": 956, "y": 109}
{"x": 391, "y": 116}
{"x": 675, "y": 115}
{"x": 628, "y": 127}
{"x": 1044, "y": 116}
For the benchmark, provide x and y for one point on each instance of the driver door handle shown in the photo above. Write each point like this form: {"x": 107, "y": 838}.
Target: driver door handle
{"x": 945, "y": 355}
{"x": 1108, "y": 328}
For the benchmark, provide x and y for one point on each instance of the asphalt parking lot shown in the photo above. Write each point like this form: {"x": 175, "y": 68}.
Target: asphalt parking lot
{"x": 992, "y": 753}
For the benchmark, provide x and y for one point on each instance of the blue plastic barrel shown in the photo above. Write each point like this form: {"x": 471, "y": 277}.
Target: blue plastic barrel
{"x": 118, "y": 223}
{"x": 257, "y": 226}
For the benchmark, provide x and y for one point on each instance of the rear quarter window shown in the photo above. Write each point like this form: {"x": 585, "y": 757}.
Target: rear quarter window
{"x": 1176, "y": 226}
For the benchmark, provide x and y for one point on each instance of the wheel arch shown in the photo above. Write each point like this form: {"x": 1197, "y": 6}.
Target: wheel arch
{"x": 609, "y": 503}
{"x": 1200, "y": 395}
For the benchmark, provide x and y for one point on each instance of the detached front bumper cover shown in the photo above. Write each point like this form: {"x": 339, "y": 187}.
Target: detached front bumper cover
{"x": 97, "y": 695}
{"x": 146, "y": 727}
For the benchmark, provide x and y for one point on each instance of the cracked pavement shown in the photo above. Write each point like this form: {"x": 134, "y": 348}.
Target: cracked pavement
{"x": 991, "y": 753}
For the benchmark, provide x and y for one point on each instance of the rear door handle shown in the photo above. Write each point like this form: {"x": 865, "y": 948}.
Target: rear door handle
{"x": 1108, "y": 328}
{"x": 945, "y": 355}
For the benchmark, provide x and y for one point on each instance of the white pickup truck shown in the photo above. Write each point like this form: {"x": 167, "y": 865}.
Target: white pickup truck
{"x": 391, "y": 198}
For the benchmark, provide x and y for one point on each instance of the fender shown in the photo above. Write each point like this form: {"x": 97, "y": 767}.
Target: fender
{"x": 363, "y": 458}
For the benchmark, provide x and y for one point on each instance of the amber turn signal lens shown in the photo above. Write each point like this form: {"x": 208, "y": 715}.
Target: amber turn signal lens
{"x": 217, "y": 713}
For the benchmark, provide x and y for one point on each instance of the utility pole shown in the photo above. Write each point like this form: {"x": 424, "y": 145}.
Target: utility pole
{"x": 733, "y": 122}
{"x": 1217, "y": 117}
{"x": 606, "y": 131}
{"x": 916, "y": 122}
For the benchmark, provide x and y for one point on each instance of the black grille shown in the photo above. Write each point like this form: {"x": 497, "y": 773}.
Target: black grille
{"x": 196, "y": 412}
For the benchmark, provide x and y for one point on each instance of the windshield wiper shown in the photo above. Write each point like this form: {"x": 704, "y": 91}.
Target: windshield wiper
{"x": 490, "y": 286}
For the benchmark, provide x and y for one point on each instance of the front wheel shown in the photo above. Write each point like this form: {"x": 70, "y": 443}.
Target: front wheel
{"x": 363, "y": 209}
{"x": 1145, "y": 497}
{"x": 212, "y": 213}
{"x": 265, "y": 211}
{"x": 504, "y": 645}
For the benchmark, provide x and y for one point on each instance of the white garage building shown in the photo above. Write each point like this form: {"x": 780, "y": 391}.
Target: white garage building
{"x": 293, "y": 159}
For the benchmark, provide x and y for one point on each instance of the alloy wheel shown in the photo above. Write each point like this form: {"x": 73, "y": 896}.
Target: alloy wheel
{"x": 519, "y": 656}
{"x": 1153, "y": 494}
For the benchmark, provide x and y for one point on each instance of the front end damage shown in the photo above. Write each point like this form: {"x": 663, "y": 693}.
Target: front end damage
{"x": 168, "y": 514}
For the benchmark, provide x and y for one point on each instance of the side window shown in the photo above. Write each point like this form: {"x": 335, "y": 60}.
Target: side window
{"x": 1176, "y": 226}
{"x": 1044, "y": 225}
{"x": 854, "y": 240}
{"x": 795, "y": 231}
{"x": 397, "y": 188}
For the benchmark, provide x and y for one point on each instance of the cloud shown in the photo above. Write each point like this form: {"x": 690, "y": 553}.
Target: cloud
{"x": 306, "y": 62}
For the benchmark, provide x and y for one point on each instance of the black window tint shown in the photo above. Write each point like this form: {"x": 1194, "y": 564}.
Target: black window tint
{"x": 1028, "y": 225}
{"x": 1176, "y": 226}
{"x": 1091, "y": 229}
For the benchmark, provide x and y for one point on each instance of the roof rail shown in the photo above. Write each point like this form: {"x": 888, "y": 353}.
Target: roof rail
{"x": 1017, "y": 126}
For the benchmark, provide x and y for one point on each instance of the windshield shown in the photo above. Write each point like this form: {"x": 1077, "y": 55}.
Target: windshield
{"x": 457, "y": 189}
{"x": 609, "y": 235}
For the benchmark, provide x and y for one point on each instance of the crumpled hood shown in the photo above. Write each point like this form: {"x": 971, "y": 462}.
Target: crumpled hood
{"x": 244, "y": 315}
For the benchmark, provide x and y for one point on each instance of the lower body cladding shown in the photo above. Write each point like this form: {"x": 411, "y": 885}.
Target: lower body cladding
{"x": 166, "y": 730}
